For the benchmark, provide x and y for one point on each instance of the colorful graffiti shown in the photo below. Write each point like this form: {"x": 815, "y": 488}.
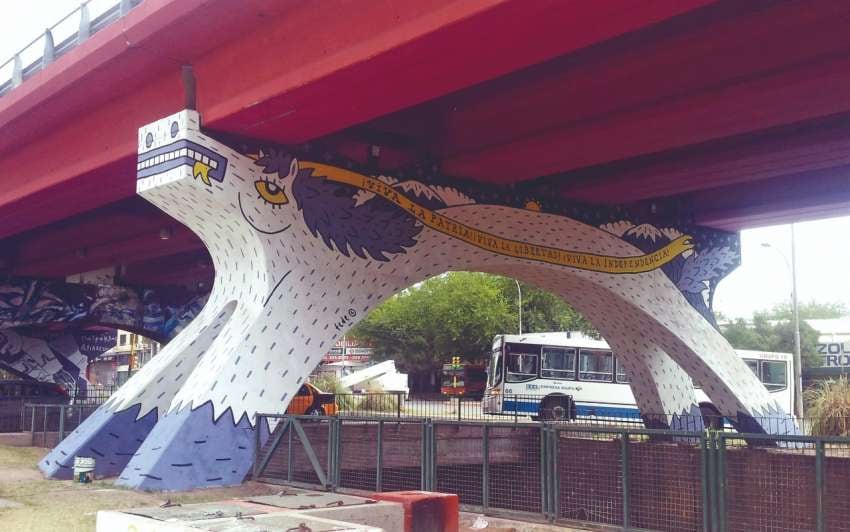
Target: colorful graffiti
{"x": 160, "y": 314}
{"x": 45, "y": 325}
{"x": 305, "y": 244}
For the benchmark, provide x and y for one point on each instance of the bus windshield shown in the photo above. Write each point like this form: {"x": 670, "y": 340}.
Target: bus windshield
{"x": 494, "y": 373}
{"x": 521, "y": 363}
{"x": 452, "y": 376}
{"x": 773, "y": 375}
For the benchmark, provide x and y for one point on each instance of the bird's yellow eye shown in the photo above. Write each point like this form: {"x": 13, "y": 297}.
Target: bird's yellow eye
{"x": 271, "y": 193}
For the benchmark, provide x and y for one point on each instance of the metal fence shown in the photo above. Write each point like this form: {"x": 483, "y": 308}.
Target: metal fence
{"x": 92, "y": 395}
{"x": 16, "y": 412}
{"x": 631, "y": 477}
{"x": 71, "y": 30}
{"x": 49, "y": 424}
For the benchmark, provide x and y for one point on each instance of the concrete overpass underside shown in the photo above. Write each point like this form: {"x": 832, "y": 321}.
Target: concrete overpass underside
{"x": 333, "y": 155}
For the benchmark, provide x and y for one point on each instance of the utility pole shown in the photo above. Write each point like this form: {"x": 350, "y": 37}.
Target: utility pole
{"x": 798, "y": 359}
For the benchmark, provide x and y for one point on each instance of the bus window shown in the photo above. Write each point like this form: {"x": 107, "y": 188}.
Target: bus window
{"x": 521, "y": 366}
{"x": 773, "y": 375}
{"x": 753, "y": 365}
{"x": 621, "y": 373}
{"x": 596, "y": 365}
{"x": 558, "y": 363}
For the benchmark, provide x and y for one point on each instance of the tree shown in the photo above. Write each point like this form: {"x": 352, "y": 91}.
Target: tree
{"x": 808, "y": 311}
{"x": 456, "y": 314}
{"x": 769, "y": 333}
{"x": 543, "y": 311}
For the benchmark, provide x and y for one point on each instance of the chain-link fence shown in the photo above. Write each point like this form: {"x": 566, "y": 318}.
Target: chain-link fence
{"x": 637, "y": 478}
{"x": 49, "y": 418}
{"x": 49, "y": 424}
{"x": 795, "y": 481}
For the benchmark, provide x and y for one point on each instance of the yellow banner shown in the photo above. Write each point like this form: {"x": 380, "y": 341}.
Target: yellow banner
{"x": 504, "y": 246}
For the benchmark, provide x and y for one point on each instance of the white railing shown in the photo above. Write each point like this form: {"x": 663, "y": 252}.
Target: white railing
{"x": 73, "y": 29}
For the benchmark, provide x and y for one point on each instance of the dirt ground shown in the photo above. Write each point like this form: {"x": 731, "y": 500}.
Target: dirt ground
{"x": 29, "y": 503}
{"x": 49, "y": 505}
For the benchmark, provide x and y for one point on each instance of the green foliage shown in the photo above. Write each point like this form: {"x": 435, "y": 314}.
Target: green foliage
{"x": 810, "y": 310}
{"x": 542, "y": 311}
{"x": 766, "y": 334}
{"x": 828, "y": 404}
{"x": 458, "y": 314}
{"x": 373, "y": 400}
{"x": 328, "y": 382}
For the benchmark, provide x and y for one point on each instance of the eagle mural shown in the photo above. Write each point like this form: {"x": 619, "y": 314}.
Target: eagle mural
{"x": 305, "y": 245}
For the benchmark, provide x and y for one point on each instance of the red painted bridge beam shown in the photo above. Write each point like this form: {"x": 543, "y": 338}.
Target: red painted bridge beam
{"x": 287, "y": 71}
{"x": 753, "y": 70}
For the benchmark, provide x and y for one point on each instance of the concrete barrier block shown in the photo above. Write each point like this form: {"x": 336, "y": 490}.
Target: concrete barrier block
{"x": 382, "y": 514}
{"x": 425, "y": 511}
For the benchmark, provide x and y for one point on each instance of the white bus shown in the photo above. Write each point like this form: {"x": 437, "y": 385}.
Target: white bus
{"x": 532, "y": 374}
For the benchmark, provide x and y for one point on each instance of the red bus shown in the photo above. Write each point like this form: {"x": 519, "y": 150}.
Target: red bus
{"x": 463, "y": 379}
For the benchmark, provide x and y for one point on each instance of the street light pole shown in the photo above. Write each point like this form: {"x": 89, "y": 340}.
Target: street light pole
{"x": 798, "y": 363}
{"x": 519, "y": 304}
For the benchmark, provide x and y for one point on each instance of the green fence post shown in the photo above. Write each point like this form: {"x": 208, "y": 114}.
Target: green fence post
{"x": 44, "y": 428}
{"x": 432, "y": 457}
{"x": 516, "y": 410}
{"x": 624, "y": 462}
{"x": 721, "y": 482}
{"x": 423, "y": 482}
{"x": 713, "y": 489}
{"x": 32, "y": 422}
{"x": 289, "y": 428}
{"x": 705, "y": 480}
{"x": 544, "y": 470}
{"x": 257, "y": 419}
{"x": 554, "y": 476}
{"x": 379, "y": 466}
{"x": 432, "y": 460}
{"x": 819, "y": 484}
{"x": 485, "y": 472}
{"x": 333, "y": 454}
{"x": 61, "y": 422}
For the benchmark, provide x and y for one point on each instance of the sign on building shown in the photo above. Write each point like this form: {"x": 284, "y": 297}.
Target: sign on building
{"x": 349, "y": 351}
{"x": 835, "y": 354}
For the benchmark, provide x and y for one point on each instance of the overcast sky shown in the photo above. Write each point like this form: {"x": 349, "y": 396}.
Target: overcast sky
{"x": 823, "y": 249}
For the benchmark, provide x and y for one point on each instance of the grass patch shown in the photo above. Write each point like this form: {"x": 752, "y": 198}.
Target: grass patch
{"x": 20, "y": 456}
{"x": 829, "y": 407}
{"x": 65, "y": 505}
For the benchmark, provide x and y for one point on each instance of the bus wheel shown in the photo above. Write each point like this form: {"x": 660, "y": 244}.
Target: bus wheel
{"x": 555, "y": 409}
{"x": 711, "y": 417}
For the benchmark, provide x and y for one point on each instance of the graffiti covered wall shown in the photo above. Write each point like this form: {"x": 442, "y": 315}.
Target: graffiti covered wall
{"x": 43, "y": 324}
{"x": 304, "y": 245}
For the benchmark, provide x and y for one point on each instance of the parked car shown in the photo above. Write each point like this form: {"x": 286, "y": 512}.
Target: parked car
{"x": 311, "y": 401}
{"x": 33, "y": 391}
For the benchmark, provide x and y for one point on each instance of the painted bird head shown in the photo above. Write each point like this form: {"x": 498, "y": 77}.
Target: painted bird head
{"x": 185, "y": 172}
{"x": 271, "y": 190}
